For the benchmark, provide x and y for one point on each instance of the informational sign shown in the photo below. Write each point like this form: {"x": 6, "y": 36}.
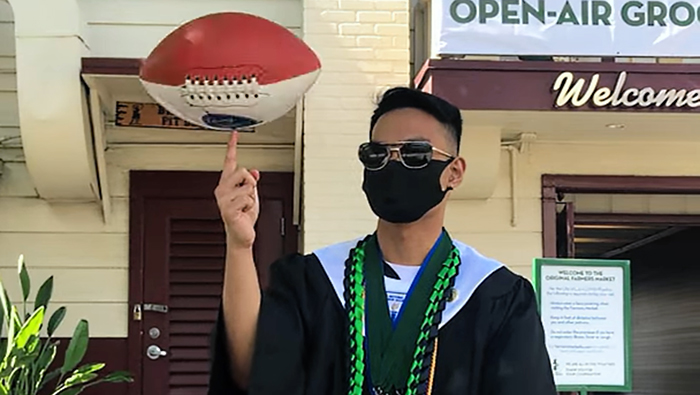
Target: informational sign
{"x": 585, "y": 309}
{"x": 663, "y": 28}
{"x": 149, "y": 115}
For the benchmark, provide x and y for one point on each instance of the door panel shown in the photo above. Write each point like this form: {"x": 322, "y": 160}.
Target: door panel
{"x": 565, "y": 231}
{"x": 270, "y": 237}
{"x": 155, "y": 291}
{"x": 184, "y": 247}
{"x": 195, "y": 232}
{"x": 565, "y": 240}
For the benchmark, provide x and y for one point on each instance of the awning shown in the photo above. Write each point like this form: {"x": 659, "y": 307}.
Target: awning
{"x": 117, "y": 83}
{"x": 509, "y": 104}
{"x": 652, "y": 101}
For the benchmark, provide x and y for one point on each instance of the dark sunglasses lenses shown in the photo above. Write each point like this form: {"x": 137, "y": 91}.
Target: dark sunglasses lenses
{"x": 413, "y": 155}
{"x": 417, "y": 154}
{"x": 372, "y": 155}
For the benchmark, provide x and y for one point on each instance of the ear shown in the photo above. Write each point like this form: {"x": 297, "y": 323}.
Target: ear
{"x": 454, "y": 174}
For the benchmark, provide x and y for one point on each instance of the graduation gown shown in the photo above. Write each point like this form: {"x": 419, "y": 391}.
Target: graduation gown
{"x": 490, "y": 339}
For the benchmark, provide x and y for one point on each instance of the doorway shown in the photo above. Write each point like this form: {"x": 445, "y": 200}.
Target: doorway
{"x": 664, "y": 270}
{"x": 176, "y": 265}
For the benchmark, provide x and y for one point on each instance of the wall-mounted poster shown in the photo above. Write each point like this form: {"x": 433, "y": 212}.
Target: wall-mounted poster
{"x": 586, "y": 313}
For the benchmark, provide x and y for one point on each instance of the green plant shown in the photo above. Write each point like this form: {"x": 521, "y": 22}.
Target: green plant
{"x": 27, "y": 357}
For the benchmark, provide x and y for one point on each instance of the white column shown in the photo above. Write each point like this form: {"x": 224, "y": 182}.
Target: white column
{"x": 53, "y": 111}
{"x": 364, "y": 49}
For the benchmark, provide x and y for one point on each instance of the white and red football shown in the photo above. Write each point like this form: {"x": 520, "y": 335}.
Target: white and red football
{"x": 229, "y": 71}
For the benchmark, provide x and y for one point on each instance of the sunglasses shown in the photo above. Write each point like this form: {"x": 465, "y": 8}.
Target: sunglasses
{"x": 412, "y": 154}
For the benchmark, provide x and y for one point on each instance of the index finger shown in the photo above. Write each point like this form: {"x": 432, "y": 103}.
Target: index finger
{"x": 231, "y": 154}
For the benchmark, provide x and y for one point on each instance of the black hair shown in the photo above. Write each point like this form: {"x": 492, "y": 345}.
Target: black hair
{"x": 442, "y": 110}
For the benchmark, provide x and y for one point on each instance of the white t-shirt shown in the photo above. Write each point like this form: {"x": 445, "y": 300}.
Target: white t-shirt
{"x": 396, "y": 290}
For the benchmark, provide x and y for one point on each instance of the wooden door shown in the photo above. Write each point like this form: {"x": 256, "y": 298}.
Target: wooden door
{"x": 566, "y": 247}
{"x": 565, "y": 240}
{"x": 177, "y": 265}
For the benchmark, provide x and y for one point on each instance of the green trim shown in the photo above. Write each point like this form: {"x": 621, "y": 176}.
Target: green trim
{"x": 627, "y": 312}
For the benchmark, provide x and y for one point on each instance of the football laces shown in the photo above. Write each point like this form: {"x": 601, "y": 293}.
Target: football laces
{"x": 213, "y": 91}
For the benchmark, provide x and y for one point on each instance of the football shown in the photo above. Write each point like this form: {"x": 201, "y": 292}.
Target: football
{"x": 229, "y": 71}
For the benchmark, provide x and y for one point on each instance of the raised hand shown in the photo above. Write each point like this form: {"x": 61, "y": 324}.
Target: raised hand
{"x": 237, "y": 198}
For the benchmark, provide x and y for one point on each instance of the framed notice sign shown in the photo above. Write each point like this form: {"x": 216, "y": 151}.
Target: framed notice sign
{"x": 586, "y": 313}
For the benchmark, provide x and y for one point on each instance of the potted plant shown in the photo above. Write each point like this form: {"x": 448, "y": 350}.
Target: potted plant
{"x": 27, "y": 358}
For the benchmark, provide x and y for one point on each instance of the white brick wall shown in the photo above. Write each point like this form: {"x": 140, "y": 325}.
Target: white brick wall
{"x": 364, "y": 48}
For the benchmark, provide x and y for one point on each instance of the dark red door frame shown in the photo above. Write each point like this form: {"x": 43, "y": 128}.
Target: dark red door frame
{"x": 146, "y": 185}
{"x": 555, "y": 184}
{"x": 638, "y": 219}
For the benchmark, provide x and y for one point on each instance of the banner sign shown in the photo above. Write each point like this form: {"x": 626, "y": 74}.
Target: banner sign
{"x": 628, "y": 28}
{"x": 585, "y": 307}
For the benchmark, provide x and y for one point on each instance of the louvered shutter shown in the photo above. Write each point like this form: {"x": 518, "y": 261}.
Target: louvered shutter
{"x": 196, "y": 267}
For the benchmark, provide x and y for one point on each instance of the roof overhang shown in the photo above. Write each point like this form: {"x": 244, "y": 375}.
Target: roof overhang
{"x": 116, "y": 81}
{"x": 116, "y": 78}
{"x": 116, "y": 92}
{"x": 509, "y": 104}
{"x": 520, "y": 97}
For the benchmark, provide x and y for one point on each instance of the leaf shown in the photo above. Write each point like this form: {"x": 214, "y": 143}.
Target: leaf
{"x": 43, "y": 296}
{"x": 14, "y": 315}
{"x": 23, "y": 277}
{"x": 5, "y": 302}
{"x": 70, "y": 391}
{"x": 47, "y": 356}
{"x": 3, "y": 390}
{"x": 34, "y": 343}
{"x": 77, "y": 347}
{"x": 52, "y": 375}
{"x": 43, "y": 363}
{"x": 114, "y": 377}
{"x": 119, "y": 377}
{"x": 55, "y": 320}
{"x": 6, "y": 371}
{"x": 89, "y": 368}
{"x": 31, "y": 327}
{"x": 11, "y": 333}
{"x": 14, "y": 377}
{"x": 79, "y": 378}
{"x": 25, "y": 360}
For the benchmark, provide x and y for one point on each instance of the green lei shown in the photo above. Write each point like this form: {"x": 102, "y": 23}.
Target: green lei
{"x": 399, "y": 357}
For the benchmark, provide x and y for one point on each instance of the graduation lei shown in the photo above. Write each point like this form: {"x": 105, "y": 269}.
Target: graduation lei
{"x": 401, "y": 354}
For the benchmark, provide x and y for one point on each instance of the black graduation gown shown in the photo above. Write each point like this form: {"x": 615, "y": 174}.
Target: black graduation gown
{"x": 490, "y": 343}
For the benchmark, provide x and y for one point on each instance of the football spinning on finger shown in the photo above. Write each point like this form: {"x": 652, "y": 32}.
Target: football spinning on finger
{"x": 229, "y": 71}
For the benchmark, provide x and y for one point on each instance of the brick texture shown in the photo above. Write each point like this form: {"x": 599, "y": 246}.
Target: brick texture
{"x": 364, "y": 49}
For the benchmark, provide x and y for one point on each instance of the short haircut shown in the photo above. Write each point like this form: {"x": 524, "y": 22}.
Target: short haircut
{"x": 443, "y": 111}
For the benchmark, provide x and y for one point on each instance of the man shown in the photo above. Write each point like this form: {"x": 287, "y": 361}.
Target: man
{"x": 405, "y": 310}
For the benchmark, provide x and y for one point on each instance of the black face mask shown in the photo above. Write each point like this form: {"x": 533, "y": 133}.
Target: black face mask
{"x": 398, "y": 194}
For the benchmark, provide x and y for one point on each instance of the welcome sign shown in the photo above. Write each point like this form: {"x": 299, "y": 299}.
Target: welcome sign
{"x": 578, "y": 92}
{"x": 662, "y": 28}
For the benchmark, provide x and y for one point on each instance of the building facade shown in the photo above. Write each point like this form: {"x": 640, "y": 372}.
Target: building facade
{"x": 120, "y": 211}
